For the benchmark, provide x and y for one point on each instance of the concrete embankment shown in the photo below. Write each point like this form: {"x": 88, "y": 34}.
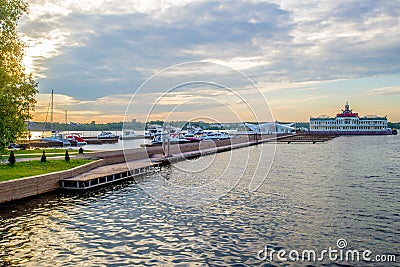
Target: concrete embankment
{"x": 36, "y": 185}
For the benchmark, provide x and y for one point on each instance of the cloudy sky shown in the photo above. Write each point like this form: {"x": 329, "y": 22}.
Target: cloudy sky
{"x": 306, "y": 58}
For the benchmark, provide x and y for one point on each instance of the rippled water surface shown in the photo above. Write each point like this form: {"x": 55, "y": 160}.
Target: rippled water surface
{"x": 315, "y": 194}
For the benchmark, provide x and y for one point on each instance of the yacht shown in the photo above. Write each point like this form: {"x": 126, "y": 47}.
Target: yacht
{"x": 215, "y": 136}
{"x": 194, "y": 130}
{"x": 153, "y": 131}
{"x": 177, "y": 139}
{"x": 128, "y": 135}
{"x": 106, "y": 134}
{"x": 57, "y": 138}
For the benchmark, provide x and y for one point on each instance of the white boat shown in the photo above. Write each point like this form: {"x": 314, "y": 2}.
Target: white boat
{"x": 178, "y": 139}
{"x": 153, "y": 131}
{"x": 128, "y": 135}
{"x": 105, "y": 134}
{"x": 194, "y": 130}
{"x": 215, "y": 136}
{"x": 58, "y": 138}
{"x": 266, "y": 128}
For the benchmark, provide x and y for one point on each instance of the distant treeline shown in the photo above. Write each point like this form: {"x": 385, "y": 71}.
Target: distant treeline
{"x": 394, "y": 125}
{"x": 118, "y": 126}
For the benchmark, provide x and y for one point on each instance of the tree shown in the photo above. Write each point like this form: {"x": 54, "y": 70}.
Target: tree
{"x": 17, "y": 89}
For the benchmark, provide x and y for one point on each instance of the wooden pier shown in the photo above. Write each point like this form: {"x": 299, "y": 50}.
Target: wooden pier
{"x": 108, "y": 174}
{"x": 306, "y": 138}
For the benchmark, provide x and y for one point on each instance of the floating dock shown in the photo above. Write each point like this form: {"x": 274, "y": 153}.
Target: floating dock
{"x": 306, "y": 138}
{"x": 108, "y": 174}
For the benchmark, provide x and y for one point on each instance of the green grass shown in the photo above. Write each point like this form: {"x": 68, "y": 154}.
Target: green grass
{"x": 37, "y": 156}
{"x": 35, "y": 167}
{"x": 37, "y": 153}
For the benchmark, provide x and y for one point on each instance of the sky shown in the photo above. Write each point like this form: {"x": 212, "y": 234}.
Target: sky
{"x": 281, "y": 60}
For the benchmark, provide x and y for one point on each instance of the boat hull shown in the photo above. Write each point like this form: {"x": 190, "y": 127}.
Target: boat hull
{"x": 130, "y": 137}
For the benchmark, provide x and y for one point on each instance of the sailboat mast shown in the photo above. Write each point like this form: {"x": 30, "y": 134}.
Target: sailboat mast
{"x": 52, "y": 107}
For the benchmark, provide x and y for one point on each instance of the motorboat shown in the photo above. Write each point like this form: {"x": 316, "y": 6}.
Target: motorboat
{"x": 153, "y": 131}
{"x": 193, "y": 138}
{"x": 179, "y": 139}
{"x": 128, "y": 135}
{"x": 215, "y": 136}
{"x": 106, "y": 135}
{"x": 223, "y": 135}
{"x": 194, "y": 133}
{"x": 76, "y": 139}
{"x": 194, "y": 130}
{"x": 56, "y": 138}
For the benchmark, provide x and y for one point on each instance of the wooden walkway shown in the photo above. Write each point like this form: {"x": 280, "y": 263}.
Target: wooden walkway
{"x": 108, "y": 174}
{"x": 306, "y": 138}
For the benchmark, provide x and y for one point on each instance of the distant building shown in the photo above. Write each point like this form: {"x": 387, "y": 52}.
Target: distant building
{"x": 267, "y": 128}
{"x": 349, "y": 123}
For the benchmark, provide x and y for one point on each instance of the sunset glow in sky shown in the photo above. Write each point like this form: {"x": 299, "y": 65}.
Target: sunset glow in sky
{"x": 306, "y": 57}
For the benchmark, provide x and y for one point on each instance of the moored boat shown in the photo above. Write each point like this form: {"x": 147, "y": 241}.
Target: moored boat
{"x": 76, "y": 139}
{"x": 215, "y": 136}
{"x": 56, "y": 138}
{"x": 172, "y": 140}
{"x": 128, "y": 135}
{"x": 106, "y": 135}
{"x": 192, "y": 138}
{"x": 153, "y": 131}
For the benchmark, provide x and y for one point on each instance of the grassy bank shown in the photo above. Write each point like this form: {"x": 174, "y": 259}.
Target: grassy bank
{"x": 31, "y": 168}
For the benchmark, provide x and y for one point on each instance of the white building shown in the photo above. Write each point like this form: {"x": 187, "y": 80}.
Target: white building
{"x": 269, "y": 128}
{"x": 350, "y": 123}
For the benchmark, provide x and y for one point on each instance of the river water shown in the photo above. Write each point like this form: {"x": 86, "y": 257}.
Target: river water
{"x": 347, "y": 188}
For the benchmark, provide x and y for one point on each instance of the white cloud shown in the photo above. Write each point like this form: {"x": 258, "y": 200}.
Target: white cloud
{"x": 391, "y": 90}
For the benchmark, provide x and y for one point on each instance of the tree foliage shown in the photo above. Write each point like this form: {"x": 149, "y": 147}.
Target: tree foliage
{"x": 17, "y": 89}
